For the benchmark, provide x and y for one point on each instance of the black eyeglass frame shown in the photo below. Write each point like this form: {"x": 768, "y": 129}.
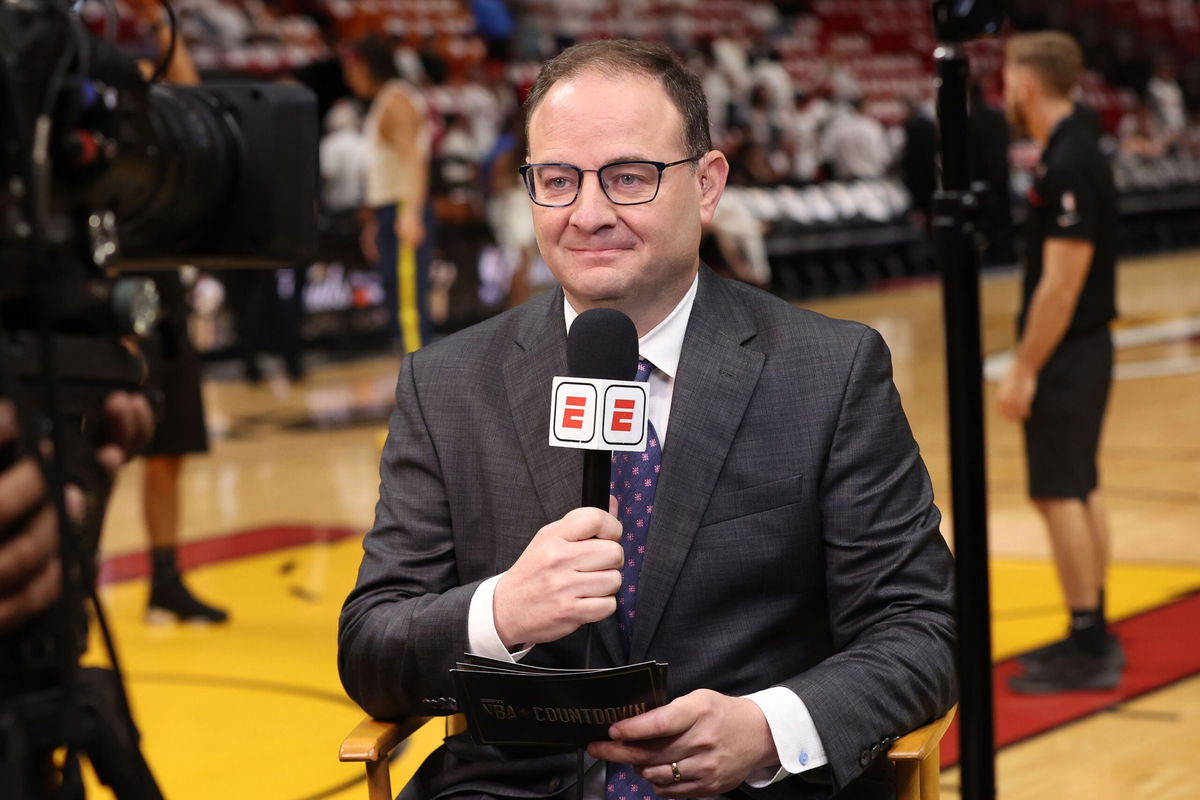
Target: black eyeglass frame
{"x": 658, "y": 165}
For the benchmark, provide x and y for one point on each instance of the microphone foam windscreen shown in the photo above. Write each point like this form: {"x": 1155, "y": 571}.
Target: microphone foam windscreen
{"x": 602, "y": 343}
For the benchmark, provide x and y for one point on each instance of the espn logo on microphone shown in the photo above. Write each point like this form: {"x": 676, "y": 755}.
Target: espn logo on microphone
{"x": 594, "y": 414}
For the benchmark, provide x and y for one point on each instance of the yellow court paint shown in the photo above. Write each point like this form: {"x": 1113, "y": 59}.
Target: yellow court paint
{"x": 1027, "y": 605}
{"x": 254, "y": 709}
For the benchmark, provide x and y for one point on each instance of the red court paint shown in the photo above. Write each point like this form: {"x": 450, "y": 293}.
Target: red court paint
{"x": 223, "y": 548}
{"x": 1159, "y": 654}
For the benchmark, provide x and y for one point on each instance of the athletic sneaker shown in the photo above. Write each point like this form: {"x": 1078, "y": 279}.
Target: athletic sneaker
{"x": 170, "y": 601}
{"x": 1071, "y": 669}
{"x": 1042, "y": 655}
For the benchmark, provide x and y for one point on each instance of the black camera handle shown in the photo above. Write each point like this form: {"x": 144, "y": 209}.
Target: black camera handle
{"x": 49, "y": 703}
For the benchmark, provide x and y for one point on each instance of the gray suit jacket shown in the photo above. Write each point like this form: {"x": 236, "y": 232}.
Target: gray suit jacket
{"x": 795, "y": 541}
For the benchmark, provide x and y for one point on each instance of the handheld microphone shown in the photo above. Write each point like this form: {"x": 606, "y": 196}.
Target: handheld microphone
{"x": 602, "y": 343}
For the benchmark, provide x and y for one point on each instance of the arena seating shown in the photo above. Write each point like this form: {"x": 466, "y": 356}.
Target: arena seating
{"x": 825, "y": 237}
{"x": 835, "y": 237}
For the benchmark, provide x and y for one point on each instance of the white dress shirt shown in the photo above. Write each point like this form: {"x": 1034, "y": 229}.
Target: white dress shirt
{"x": 796, "y": 740}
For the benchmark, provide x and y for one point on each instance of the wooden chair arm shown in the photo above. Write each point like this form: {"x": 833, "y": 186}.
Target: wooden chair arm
{"x": 372, "y": 739}
{"x": 922, "y": 742}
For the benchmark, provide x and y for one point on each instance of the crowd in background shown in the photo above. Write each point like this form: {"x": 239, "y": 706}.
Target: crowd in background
{"x": 823, "y": 109}
{"x": 799, "y": 93}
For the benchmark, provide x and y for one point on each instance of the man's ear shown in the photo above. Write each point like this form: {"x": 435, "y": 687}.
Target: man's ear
{"x": 1027, "y": 85}
{"x": 713, "y": 171}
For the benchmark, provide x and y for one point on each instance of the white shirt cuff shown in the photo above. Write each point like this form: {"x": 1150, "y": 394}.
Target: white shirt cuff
{"x": 481, "y": 626}
{"x": 796, "y": 740}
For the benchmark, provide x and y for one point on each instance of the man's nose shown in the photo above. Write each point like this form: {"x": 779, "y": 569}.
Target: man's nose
{"x": 592, "y": 209}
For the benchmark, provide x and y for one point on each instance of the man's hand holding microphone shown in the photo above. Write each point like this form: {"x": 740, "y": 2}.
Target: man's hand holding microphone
{"x": 567, "y": 577}
{"x": 570, "y": 572}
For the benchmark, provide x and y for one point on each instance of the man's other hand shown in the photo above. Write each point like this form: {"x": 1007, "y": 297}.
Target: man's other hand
{"x": 1016, "y": 393}
{"x": 367, "y": 233}
{"x": 410, "y": 228}
{"x": 30, "y": 576}
{"x": 30, "y": 573}
{"x": 715, "y": 741}
{"x": 128, "y": 428}
{"x": 567, "y": 577}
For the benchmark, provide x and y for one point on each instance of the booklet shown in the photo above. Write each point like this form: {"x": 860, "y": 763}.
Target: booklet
{"x": 518, "y": 704}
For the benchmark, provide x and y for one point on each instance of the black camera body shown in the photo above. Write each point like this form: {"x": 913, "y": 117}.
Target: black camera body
{"x": 135, "y": 176}
{"x": 217, "y": 176}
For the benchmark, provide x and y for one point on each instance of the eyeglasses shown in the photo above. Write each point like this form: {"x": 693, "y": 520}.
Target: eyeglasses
{"x": 626, "y": 183}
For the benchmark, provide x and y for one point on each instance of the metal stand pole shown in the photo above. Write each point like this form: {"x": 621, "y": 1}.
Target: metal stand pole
{"x": 954, "y": 228}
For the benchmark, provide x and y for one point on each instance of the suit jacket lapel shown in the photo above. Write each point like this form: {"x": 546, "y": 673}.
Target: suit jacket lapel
{"x": 540, "y": 354}
{"x": 556, "y": 472}
{"x": 715, "y": 382}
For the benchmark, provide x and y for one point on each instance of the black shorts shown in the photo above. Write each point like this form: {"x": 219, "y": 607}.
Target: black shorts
{"x": 174, "y": 381}
{"x": 1062, "y": 434}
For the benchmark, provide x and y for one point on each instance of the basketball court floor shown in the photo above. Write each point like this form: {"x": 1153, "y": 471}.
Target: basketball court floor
{"x": 274, "y": 515}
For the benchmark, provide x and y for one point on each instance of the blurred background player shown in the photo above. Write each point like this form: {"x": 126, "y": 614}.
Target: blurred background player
{"x": 1059, "y": 382}
{"x": 181, "y": 430}
{"x": 398, "y": 220}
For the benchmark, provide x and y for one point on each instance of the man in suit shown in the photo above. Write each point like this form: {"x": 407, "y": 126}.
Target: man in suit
{"x": 792, "y": 574}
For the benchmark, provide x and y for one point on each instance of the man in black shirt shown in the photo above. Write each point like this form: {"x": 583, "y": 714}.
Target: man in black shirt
{"x": 1059, "y": 381}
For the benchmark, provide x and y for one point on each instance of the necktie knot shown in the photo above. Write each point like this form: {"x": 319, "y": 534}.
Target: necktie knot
{"x": 643, "y": 371}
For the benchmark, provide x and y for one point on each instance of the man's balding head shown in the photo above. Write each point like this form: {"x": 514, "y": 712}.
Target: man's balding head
{"x": 621, "y": 57}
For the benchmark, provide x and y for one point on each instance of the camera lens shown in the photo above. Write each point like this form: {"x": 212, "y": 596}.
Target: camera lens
{"x": 175, "y": 170}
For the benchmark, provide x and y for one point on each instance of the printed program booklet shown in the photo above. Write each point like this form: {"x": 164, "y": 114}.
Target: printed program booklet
{"x": 518, "y": 704}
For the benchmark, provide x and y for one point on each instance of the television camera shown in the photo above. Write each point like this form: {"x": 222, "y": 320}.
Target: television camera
{"x": 106, "y": 177}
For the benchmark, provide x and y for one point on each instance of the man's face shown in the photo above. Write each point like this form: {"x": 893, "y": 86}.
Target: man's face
{"x": 640, "y": 259}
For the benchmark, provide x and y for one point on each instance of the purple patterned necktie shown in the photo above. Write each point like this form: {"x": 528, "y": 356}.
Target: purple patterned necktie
{"x": 634, "y": 479}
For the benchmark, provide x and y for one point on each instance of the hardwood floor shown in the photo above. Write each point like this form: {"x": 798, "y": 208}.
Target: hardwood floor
{"x": 260, "y": 697}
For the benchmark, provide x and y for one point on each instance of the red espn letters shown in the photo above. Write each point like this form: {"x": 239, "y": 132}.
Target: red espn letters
{"x": 573, "y": 412}
{"x": 622, "y": 417}
{"x": 598, "y": 414}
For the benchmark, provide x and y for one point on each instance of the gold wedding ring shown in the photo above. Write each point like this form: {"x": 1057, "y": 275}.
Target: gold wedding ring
{"x": 675, "y": 772}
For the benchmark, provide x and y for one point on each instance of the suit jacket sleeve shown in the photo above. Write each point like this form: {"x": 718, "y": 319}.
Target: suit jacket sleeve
{"x": 888, "y": 577}
{"x": 405, "y": 622}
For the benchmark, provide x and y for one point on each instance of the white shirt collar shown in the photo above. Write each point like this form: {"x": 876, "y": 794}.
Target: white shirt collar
{"x": 664, "y": 343}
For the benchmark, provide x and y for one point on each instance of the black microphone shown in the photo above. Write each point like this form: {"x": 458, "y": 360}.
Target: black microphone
{"x": 602, "y": 343}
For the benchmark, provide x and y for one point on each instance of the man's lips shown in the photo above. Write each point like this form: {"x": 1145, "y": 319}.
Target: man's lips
{"x": 589, "y": 251}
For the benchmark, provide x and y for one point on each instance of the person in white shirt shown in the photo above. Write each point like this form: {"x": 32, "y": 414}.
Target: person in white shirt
{"x": 855, "y": 145}
{"x": 1166, "y": 98}
{"x": 396, "y": 227}
{"x": 343, "y": 158}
